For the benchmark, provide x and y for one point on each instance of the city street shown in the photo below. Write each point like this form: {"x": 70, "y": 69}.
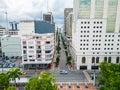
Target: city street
{"x": 62, "y": 65}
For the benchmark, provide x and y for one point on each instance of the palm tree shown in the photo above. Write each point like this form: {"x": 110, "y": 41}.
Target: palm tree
{"x": 13, "y": 74}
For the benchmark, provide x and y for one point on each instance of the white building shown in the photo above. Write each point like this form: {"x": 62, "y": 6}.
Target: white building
{"x": 37, "y": 50}
{"x": 2, "y": 31}
{"x": 11, "y": 45}
{"x": 96, "y": 32}
{"x": 69, "y": 26}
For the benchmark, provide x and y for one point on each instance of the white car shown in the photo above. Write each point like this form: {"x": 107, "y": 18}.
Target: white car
{"x": 63, "y": 72}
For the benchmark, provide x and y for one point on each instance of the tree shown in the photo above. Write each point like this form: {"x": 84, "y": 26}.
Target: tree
{"x": 69, "y": 60}
{"x": 57, "y": 60}
{"x": 13, "y": 74}
{"x": 110, "y": 76}
{"x": 11, "y": 88}
{"x": 45, "y": 81}
{"x": 4, "y": 81}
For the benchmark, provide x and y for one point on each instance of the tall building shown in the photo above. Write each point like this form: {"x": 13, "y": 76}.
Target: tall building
{"x": 69, "y": 26}
{"x": 37, "y": 50}
{"x": 48, "y": 17}
{"x": 66, "y": 13}
{"x": 95, "y": 33}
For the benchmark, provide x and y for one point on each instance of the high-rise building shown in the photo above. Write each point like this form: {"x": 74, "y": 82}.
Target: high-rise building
{"x": 66, "y": 13}
{"x": 95, "y": 33}
{"x": 48, "y": 17}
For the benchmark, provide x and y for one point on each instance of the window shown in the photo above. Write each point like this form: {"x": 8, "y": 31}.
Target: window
{"x": 93, "y": 59}
{"x": 24, "y": 42}
{"x": 105, "y": 59}
{"x": 24, "y": 47}
{"x": 47, "y": 42}
{"x": 97, "y": 60}
{"x": 47, "y": 51}
{"x": 109, "y": 59}
{"x": 83, "y": 60}
{"x": 31, "y": 47}
{"x": 117, "y": 60}
{"x": 24, "y": 52}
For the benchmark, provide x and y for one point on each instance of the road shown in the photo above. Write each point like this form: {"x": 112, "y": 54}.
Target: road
{"x": 72, "y": 76}
{"x": 62, "y": 65}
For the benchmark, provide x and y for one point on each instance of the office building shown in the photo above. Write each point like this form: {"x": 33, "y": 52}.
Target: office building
{"x": 37, "y": 50}
{"x": 95, "y": 33}
{"x": 48, "y": 17}
{"x": 66, "y": 13}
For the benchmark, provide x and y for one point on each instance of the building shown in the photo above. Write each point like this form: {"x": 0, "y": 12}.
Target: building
{"x": 69, "y": 27}
{"x": 11, "y": 45}
{"x": 35, "y": 26}
{"x": 37, "y": 50}
{"x": 95, "y": 33}
{"x": 66, "y": 12}
{"x": 2, "y": 31}
{"x": 48, "y": 17}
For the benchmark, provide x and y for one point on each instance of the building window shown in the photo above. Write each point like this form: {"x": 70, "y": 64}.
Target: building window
{"x": 105, "y": 59}
{"x": 24, "y": 42}
{"x": 117, "y": 60}
{"x": 83, "y": 60}
{"x": 109, "y": 59}
{"x": 47, "y": 42}
{"x": 97, "y": 60}
{"x": 93, "y": 59}
{"x": 31, "y": 47}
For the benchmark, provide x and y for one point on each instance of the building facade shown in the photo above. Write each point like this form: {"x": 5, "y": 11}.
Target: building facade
{"x": 48, "y": 17}
{"x": 95, "y": 33}
{"x": 35, "y": 26}
{"x": 37, "y": 50}
{"x": 66, "y": 13}
{"x": 69, "y": 26}
{"x": 2, "y": 31}
{"x": 11, "y": 45}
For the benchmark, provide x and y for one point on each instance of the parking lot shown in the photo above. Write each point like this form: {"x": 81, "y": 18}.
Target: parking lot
{"x": 13, "y": 62}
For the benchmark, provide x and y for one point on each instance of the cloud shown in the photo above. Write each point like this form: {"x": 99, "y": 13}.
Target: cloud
{"x": 33, "y": 9}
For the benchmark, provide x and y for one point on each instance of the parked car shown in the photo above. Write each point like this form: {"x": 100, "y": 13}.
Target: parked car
{"x": 63, "y": 72}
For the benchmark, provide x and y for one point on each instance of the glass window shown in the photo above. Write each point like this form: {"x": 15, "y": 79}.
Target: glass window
{"x": 83, "y": 60}
{"x": 84, "y": 8}
{"x": 99, "y": 6}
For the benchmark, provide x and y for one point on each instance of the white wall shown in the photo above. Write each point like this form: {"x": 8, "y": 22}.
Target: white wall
{"x": 26, "y": 27}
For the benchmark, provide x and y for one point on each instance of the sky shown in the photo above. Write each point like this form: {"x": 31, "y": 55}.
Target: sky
{"x": 33, "y": 9}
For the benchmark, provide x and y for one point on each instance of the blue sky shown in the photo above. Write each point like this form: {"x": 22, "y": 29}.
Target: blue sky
{"x": 33, "y": 9}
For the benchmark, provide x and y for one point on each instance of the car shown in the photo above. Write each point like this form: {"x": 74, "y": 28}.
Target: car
{"x": 63, "y": 72}
{"x": 23, "y": 73}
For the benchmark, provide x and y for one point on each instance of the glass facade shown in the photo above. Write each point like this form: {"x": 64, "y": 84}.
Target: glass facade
{"x": 84, "y": 8}
{"x": 99, "y": 6}
{"x": 111, "y": 16}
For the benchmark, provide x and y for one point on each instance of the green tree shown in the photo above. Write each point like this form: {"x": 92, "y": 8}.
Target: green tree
{"x": 57, "y": 60}
{"x": 69, "y": 61}
{"x": 45, "y": 81}
{"x": 110, "y": 76}
{"x": 13, "y": 74}
{"x": 11, "y": 88}
{"x": 4, "y": 81}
